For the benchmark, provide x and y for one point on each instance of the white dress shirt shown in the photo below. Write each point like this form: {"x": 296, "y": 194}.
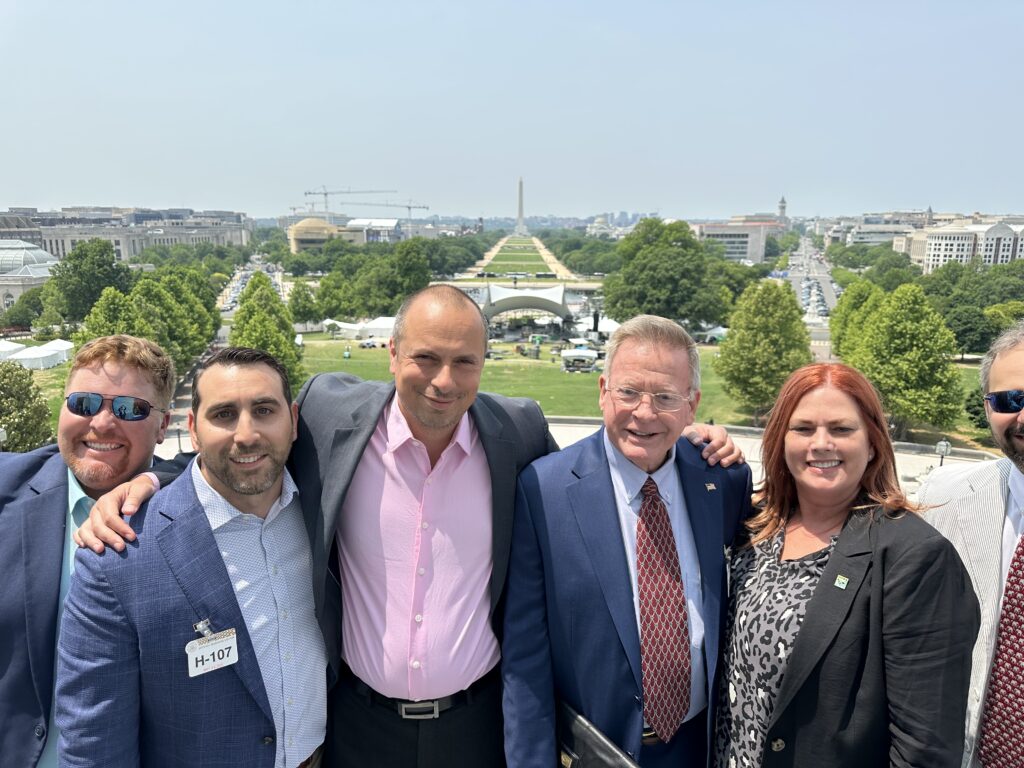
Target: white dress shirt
{"x": 627, "y": 480}
{"x": 270, "y": 567}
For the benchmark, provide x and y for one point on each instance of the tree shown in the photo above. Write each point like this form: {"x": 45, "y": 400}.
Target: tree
{"x": 767, "y": 341}
{"x": 906, "y": 351}
{"x": 1006, "y": 314}
{"x": 82, "y": 275}
{"x": 264, "y": 322}
{"x": 302, "y": 305}
{"x": 114, "y": 313}
{"x": 847, "y": 306}
{"x": 665, "y": 272}
{"x": 974, "y": 404}
{"x": 23, "y": 411}
{"x": 26, "y": 309}
{"x": 973, "y": 329}
{"x": 176, "y": 330}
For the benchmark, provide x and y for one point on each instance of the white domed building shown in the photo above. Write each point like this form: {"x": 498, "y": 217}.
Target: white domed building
{"x": 22, "y": 266}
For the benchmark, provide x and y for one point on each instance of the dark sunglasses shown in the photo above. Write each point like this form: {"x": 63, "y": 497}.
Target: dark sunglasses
{"x": 1009, "y": 401}
{"x": 124, "y": 407}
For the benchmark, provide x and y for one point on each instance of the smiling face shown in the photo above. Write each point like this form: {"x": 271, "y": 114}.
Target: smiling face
{"x": 437, "y": 366}
{"x": 827, "y": 449}
{"x": 103, "y": 451}
{"x": 640, "y": 433}
{"x": 1007, "y": 372}
{"x": 243, "y": 431}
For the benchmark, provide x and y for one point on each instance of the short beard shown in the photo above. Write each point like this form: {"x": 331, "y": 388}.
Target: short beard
{"x": 1006, "y": 445}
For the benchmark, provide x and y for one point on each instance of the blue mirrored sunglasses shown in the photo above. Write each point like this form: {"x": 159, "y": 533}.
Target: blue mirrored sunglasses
{"x": 124, "y": 407}
{"x": 1008, "y": 401}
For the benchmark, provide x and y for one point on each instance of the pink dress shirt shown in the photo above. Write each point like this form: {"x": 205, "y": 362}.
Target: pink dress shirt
{"x": 415, "y": 552}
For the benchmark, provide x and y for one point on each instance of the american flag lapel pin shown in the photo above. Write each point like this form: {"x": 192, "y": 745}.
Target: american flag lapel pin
{"x": 710, "y": 486}
{"x": 841, "y": 581}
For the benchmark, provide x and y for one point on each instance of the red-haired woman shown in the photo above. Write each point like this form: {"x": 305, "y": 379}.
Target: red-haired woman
{"x": 851, "y": 620}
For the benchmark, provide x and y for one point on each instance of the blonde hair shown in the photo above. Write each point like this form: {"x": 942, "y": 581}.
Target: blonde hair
{"x": 134, "y": 352}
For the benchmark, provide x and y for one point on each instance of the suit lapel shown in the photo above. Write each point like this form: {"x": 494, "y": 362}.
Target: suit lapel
{"x": 192, "y": 555}
{"x": 704, "y": 510}
{"x": 500, "y": 454}
{"x": 828, "y": 606}
{"x": 39, "y": 523}
{"x": 589, "y": 492}
{"x": 347, "y": 448}
{"x": 980, "y": 518}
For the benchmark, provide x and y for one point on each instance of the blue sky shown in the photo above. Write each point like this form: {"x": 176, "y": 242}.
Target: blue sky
{"x": 691, "y": 109}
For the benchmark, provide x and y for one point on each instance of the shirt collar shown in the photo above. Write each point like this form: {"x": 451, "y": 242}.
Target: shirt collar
{"x": 398, "y": 432}
{"x": 219, "y": 511}
{"x": 633, "y": 478}
{"x": 79, "y": 502}
{"x": 1016, "y": 492}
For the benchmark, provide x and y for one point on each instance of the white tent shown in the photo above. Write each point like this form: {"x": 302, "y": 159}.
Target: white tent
{"x": 59, "y": 345}
{"x": 378, "y": 328}
{"x": 341, "y": 328}
{"x": 37, "y": 358}
{"x": 8, "y": 348}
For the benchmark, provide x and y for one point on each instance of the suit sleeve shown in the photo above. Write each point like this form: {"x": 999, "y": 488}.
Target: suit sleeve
{"x": 930, "y": 620}
{"x": 97, "y": 673}
{"x": 528, "y": 696}
{"x": 169, "y": 470}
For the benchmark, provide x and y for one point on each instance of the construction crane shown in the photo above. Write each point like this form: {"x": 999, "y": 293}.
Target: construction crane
{"x": 407, "y": 205}
{"x": 328, "y": 192}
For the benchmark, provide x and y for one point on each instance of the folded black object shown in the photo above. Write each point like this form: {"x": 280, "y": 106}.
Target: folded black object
{"x": 581, "y": 745}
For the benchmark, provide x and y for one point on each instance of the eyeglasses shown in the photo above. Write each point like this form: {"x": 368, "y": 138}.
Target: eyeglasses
{"x": 124, "y": 407}
{"x": 1008, "y": 401}
{"x": 665, "y": 402}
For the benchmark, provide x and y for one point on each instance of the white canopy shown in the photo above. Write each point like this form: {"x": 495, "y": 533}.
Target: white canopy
{"x": 59, "y": 345}
{"x": 37, "y": 358}
{"x": 8, "y": 348}
{"x": 378, "y": 327}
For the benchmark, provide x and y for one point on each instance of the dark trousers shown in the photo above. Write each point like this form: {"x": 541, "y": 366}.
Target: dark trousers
{"x": 366, "y": 734}
{"x": 688, "y": 748}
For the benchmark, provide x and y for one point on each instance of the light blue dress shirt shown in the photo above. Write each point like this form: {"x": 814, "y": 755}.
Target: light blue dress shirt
{"x": 270, "y": 566}
{"x": 79, "y": 505}
{"x": 627, "y": 480}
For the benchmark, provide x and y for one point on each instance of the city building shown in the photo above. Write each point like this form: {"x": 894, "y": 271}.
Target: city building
{"x": 129, "y": 241}
{"x": 313, "y": 232}
{"x": 986, "y": 240}
{"x": 22, "y": 266}
{"x": 742, "y": 241}
{"x": 876, "y": 234}
{"x": 18, "y": 226}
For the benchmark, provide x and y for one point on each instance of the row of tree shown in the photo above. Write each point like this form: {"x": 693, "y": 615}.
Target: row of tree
{"x": 263, "y": 321}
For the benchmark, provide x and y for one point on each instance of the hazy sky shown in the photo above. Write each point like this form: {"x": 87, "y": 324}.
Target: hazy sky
{"x": 690, "y": 109}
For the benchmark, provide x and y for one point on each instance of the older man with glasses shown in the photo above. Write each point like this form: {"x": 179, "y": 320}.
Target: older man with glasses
{"x": 616, "y": 585}
{"x": 115, "y": 412}
{"x": 980, "y": 509}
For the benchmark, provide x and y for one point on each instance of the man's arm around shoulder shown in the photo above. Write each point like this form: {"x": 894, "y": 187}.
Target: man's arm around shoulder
{"x": 97, "y": 697}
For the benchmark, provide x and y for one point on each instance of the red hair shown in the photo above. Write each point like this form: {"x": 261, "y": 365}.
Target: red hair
{"x": 777, "y": 496}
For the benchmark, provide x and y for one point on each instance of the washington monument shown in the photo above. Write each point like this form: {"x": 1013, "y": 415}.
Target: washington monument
{"x": 521, "y": 230}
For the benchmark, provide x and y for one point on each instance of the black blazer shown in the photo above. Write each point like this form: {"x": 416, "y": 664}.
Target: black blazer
{"x": 880, "y": 671}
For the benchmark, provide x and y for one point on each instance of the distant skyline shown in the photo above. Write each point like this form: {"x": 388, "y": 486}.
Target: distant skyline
{"x": 693, "y": 110}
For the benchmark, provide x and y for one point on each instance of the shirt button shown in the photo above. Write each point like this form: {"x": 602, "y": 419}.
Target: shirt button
{"x": 421, "y": 571}
{"x": 419, "y": 618}
{"x": 40, "y": 731}
{"x": 778, "y": 745}
{"x": 268, "y": 740}
{"x": 415, "y": 665}
{"x": 284, "y": 614}
{"x": 426, "y": 525}
{"x": 274, "y": 571}
{"x": 287, "y": 657}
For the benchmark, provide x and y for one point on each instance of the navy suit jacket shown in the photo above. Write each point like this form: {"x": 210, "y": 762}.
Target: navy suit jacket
{"x": 570, "y": 624}
{"x": 124, "y": 696}
{"x": 33, "y": 513}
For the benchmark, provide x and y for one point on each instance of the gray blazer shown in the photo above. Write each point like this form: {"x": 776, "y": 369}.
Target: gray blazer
{"x": 968, "y": 507}
{"x": 338, "y": 413}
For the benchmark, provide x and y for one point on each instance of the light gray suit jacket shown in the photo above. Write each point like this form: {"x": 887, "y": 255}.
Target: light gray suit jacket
{"x": 338, "y": 413}
{"x": 969, "y": 506}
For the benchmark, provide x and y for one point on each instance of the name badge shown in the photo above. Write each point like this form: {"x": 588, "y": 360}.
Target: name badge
{"x": 211, "y": 653}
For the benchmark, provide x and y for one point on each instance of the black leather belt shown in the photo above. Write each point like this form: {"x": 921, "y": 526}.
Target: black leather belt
{"x": 418, "y": 710}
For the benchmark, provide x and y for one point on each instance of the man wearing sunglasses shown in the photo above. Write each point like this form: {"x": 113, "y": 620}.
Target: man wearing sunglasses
{"x": 116, "y": 411}
{"x": 980, "y": 509}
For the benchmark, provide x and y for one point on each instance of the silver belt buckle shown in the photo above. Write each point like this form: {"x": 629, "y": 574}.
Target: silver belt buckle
{"x": 419, "y": 710}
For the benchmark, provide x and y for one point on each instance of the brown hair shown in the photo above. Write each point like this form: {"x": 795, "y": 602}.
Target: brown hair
{"x": 134, "y": 352}
{"x": 777, "y": 496}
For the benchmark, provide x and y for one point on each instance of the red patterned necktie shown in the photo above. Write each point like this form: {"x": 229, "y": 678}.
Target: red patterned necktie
{"x": 664, "y": 629}
{"x": 1002, "y": 735}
